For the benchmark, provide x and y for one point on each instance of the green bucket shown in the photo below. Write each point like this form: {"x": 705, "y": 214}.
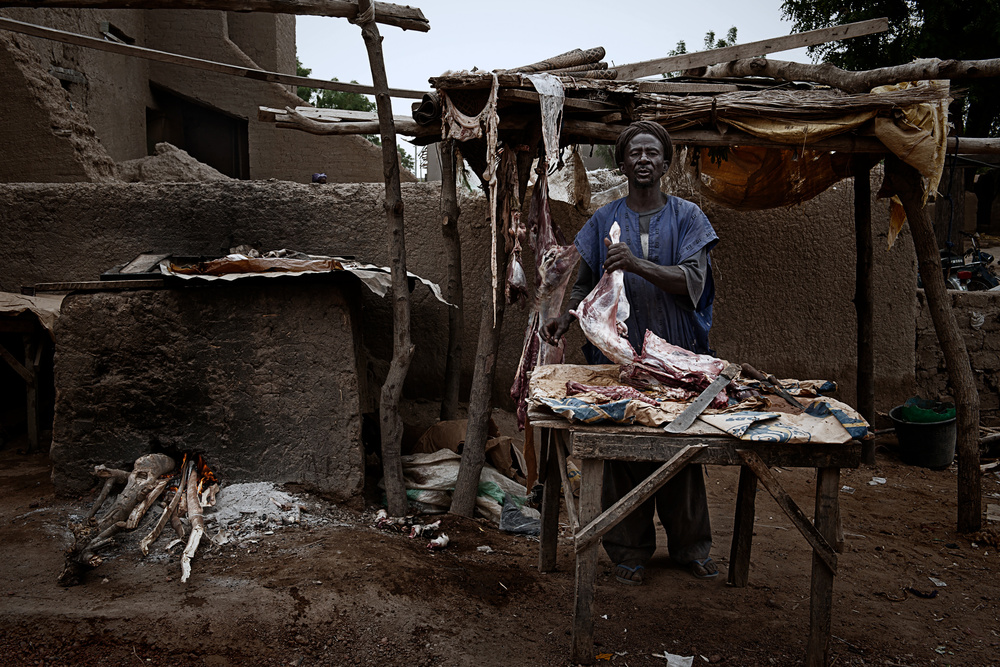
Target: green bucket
{"x": 925, "y": 444}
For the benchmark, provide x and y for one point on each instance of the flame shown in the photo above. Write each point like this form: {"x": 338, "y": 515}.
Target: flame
{"x": 205, "y": 474}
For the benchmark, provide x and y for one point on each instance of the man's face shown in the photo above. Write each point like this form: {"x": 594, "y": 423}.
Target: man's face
{"x": 643, "y": 164}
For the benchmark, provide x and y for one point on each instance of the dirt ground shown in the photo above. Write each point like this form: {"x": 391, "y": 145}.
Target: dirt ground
{"x": 346, "y": 593}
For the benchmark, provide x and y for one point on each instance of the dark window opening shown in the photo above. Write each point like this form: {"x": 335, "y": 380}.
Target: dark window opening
{"x": 209, "y": 135}
{"x": 113, "y": 33}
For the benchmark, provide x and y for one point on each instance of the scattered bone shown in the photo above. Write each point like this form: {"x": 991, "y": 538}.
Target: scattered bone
{"x": 143, "y": 479}
{"x": 208, "y": 495}
{"x": 438, "y": 542}
{"x": 425, "y": 530}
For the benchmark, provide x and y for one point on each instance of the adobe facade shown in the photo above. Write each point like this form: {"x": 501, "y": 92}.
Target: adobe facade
{"x": 69, "y": 113}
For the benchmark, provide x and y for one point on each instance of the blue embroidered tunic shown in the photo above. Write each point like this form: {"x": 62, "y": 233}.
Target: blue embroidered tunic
{"x": 677, "y": 232}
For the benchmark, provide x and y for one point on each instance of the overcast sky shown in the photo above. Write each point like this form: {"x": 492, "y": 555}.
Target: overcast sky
{"x": 500, "y": 35}
{"x": 491, "y": 35}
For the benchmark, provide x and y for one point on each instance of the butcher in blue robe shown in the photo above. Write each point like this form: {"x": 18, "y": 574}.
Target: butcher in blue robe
{"x": 664, "y": 254}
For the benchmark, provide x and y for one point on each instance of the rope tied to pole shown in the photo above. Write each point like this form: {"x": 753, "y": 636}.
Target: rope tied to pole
{"x": 366, "y": 15}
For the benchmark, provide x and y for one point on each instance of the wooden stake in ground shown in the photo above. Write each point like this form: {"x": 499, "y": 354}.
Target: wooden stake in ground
{"x": 197, "y": 524}
{"x": 463, "y": 501}
{"x": 168, "y": 512}
{"x": 904, "y": 181}
{"x": 402, "y": 348}
{"x": 453, "y": 253}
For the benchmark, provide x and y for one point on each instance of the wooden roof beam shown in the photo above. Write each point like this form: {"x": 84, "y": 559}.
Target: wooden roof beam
{"x": 407, "y": 18}
{"x": 690, "y": 61}
{"x": 196, "y": 63}
{"x": 863, "y": 81}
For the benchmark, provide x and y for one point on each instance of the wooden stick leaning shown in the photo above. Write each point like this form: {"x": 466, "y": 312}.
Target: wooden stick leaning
{"x": 168, "y": 512}
{"x": 402, "y": 346}
{"x": 197, "y": 524}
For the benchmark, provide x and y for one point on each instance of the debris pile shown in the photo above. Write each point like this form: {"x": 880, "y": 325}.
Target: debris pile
{"x": 189, "y": 499}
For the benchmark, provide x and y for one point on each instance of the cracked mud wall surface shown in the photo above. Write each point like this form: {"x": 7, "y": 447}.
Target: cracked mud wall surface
{"x": 51, "y": 135}
{"x": 261, "y": 377}
{"x": 46, "y": 138}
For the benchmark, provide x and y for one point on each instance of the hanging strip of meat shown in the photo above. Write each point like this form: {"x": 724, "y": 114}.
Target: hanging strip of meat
{"x": 603, "y": 313}
{"x": 554, "y": 267}
{"x": 517, "y": 283}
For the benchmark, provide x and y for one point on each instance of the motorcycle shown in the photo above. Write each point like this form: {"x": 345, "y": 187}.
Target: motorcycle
{"x": 971, "y": 270}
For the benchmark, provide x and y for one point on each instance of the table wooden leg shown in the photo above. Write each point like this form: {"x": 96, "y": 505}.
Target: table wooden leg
{"x": 530, "y": 461}
{"x": 739, "y": 554}
{"x": 586, "y": 564}
{"x": 549, "y": 474}
{"x": 821, "y": 593}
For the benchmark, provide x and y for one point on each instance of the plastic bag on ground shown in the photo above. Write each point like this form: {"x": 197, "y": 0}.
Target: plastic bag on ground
{"x": 518, "y": 520}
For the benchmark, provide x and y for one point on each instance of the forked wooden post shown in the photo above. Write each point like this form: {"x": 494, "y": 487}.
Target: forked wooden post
{"x": 402, "y": 348}
{"x": 453, "y": 255}
{"x": 905, "y": 182}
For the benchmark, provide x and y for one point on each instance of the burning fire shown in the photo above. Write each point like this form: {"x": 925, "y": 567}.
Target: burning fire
{"x": 205, "y": 474}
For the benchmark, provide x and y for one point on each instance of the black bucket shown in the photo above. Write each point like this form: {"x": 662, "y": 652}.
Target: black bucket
{"x": 929, "y": 445}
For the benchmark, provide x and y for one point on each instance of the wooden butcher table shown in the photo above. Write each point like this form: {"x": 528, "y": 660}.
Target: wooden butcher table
{"x": 595, "y": 444}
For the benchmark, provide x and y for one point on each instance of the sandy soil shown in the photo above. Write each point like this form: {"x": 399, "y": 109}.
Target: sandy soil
{"x": 347, "y": 594}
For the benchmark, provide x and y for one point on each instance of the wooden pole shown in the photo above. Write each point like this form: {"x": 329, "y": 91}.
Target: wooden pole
{"x": 864, "y": 297}
{"x": 905, "y": 182}
{"x": 453, "y": 256}
{"x": 463, "y": 501}
{"x": 407, "y": 18}
{"x": 501, "y": 197}
{"x": 195, "y": 63}
{"x": 724, "y": 55}
{"x": 402, "y": 348}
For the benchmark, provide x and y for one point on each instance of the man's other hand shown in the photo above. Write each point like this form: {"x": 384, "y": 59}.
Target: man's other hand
{"x": 553, "y": 330}
{"x": 620, "y": 258}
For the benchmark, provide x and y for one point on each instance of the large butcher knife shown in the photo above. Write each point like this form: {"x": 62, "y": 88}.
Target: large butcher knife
{"x": 699, "y": 404}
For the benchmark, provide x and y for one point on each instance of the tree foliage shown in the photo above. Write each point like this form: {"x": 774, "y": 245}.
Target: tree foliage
{"x": 945, "y": 29}
{"x": 339, "y": 99}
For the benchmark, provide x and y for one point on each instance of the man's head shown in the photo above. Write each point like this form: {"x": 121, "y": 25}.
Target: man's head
{"x": 643, "y": 144}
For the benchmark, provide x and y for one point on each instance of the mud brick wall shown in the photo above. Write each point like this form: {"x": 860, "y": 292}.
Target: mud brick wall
{"x": 260, "y": 376}
{"x": 785, "y": 278}
{"x": 981, "y": 340}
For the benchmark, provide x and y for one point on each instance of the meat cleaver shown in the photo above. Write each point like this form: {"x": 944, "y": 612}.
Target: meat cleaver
{"x": 699, "y": 404}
